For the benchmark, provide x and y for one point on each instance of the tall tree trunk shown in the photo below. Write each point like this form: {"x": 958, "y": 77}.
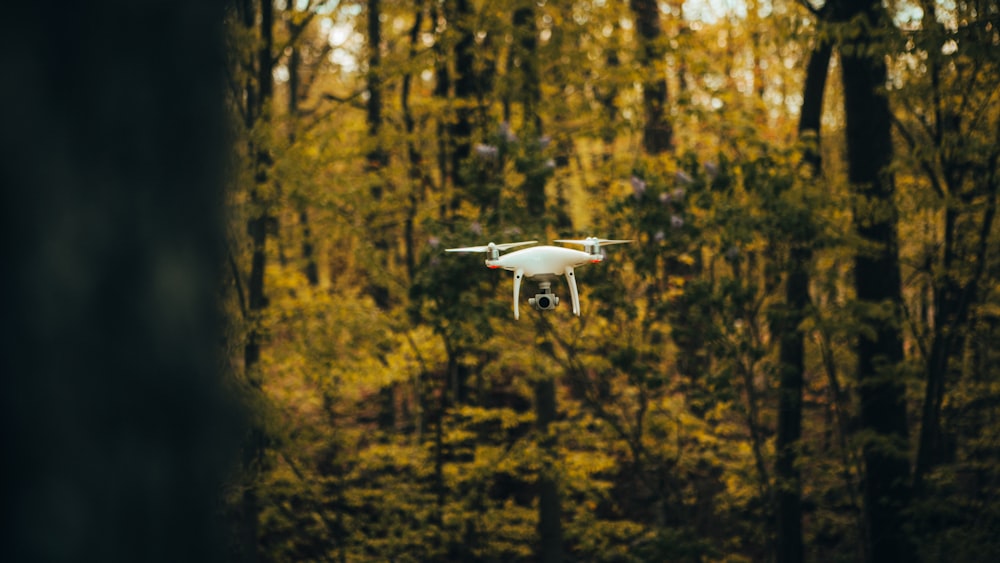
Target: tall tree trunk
{"x": 258, "y": 112}
{"x": 530, "y": 96}
{"x": 657, "y": 133}
{"x": 377, "y": 160}
{"x": 877, "y": 286}
{"x": 309, "y": 268}
{"x": 550, "y": 547}
{"x": 415, "y": 172}
{"x": 460, "y": 130}
{"x": 117, "y": 431}
{"x": 791, "y": 342}
{"x": 607, "y": 94}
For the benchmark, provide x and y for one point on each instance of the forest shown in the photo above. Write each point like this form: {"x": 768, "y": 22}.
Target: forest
{"x": 792, "y": 361}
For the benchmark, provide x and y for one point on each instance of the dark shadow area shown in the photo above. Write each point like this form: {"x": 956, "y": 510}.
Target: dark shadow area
{"x": 117, "y": 431}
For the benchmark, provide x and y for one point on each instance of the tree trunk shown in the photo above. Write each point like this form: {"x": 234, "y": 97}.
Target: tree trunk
{"x": 415, "y": 172}
{"x": 788, "y": 511}
{"x": 257, "y": 228}
{"x": 788, "y": 484}
{"x": 657, "y": 133}
{"x": 117, "y": 430}
{"x": 377, "y": 160}
{"x": 309, "y": 267}
{"x": 460, "y": 131}
{"x": 550, "y": 549}
{"x": 530, "y": 90}
{"x": 878, "y": 288}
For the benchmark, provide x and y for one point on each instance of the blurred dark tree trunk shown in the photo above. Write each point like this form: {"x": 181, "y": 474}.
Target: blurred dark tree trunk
{"x": 657, "y": 133}
{"x": 442, "y": 86}
{"x": 607, "y": 95}
{"x": 257, "y": 114}
{"x": 525, "y": 57}
{"x": 791, "y": 343}
{"x": 550, "y": 537}
{"x": 116, "y": 430}
{"x": 419, "y": 179}
{"x": 294, "y": 63}
{"x": 877, "y": 282}
{"x": 377, "y": 159}
{"x": 460, "y": 130}
{"x": 549, "y": 505}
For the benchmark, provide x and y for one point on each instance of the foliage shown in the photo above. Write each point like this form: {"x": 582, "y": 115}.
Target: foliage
{"x": 399, "y": 397}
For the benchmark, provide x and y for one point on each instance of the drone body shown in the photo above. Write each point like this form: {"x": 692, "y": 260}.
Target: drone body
{"x": 543, "y": 263}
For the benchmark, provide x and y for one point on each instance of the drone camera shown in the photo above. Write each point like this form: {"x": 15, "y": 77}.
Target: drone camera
{"x": 544, "y": 301}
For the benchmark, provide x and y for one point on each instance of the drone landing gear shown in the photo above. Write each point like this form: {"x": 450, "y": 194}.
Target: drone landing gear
{"x": 545, "y": 300}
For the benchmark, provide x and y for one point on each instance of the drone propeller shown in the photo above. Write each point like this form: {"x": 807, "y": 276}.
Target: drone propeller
{"x": 493, "y": 248}
{"x": 592, "y": 244}
{"x": 490, "y": 247}
{"x": 592, "y": 241}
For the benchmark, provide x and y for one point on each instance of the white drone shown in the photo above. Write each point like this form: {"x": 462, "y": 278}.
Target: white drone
{"x": 543, "y": 263}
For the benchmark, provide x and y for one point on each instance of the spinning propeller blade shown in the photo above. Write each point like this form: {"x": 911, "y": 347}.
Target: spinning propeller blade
{"x": 490, "y": 247}
{"x": 592, "y": 241}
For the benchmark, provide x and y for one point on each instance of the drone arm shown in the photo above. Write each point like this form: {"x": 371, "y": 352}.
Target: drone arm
{"x": 573, "y": 291}
{"x": 518, "y": 274}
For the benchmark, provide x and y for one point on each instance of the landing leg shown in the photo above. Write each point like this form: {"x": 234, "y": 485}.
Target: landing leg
{"x": 518, "y": 275}
{"x": 574, "y": 293}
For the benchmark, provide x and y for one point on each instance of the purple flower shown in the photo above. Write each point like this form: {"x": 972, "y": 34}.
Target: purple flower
{"x": 659, "y": 236}
{"x": 507, "y": 133}
{"x": 664, "y": 198}
{"x": 638, "y": 185}
{"x": 683, "y": 177}
{"x": 476, "y": 228}
{"x": 434, "y": 242}
{"x": 676, "y": 221}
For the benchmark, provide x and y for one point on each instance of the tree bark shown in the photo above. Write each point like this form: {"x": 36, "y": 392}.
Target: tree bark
{"x": 791, "y": 353}
{"x": 460, "y": 130}
{"x": 530, "y": 96}
{"x": 377, "y": 160}
{"x": 550, "y": 548}
{"x": 117, "y": 430}
{"x": 550, "y": 537}
{"x": 309, "y": 267}
{"x": 877, "y": 286}
{"x": 657, "y": 133}
{"x": 257, "y": 228}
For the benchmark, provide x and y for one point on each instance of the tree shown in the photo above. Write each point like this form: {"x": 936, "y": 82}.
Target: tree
{"x": 877, "y": 282}
{"x": 113, "y": 403}
{"x": 257, "y": 89}
{"x": 791, "y": 344}
{"x": 657, "y": 133}
{"x": 954, "y": 149}
{"x": 701, "y": 407}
